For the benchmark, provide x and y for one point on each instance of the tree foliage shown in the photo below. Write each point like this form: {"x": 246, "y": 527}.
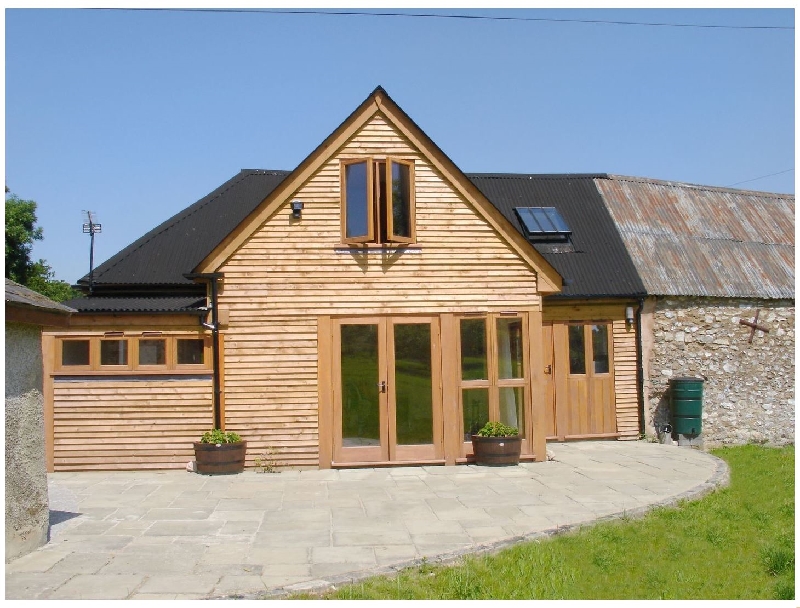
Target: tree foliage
{"x": 21, "y": 232}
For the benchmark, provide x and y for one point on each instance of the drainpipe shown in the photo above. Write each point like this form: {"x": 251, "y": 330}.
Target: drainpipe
{"x": 212, "y": 278}
{"x": 640, "y": 366}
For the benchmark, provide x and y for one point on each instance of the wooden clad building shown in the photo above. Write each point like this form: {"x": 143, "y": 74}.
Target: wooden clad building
{"x": 375, "y": 306}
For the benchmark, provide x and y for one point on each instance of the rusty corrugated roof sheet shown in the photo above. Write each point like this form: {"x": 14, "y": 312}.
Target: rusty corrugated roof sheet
{"x": 695, "y": 240}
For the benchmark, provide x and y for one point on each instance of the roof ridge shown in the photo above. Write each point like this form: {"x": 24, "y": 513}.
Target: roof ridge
{"x": 553, "y": 176}
{"x": 704, "y": 187}
{"x": 664, "y": 233}
{"x": 178, "y": 217}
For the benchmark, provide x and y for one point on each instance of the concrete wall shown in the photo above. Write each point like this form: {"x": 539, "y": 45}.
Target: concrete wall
{"x": 27, "y": 507}
{"x": 748, "y": 393}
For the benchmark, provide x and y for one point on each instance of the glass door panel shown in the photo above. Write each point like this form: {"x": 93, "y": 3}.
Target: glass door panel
{"x": 512, "y": 407}
{"x": 474, "y": 362}
{"x": 600, "y": 348}
{"x": 360, "y": 390}
{"x": 577, "y": 350}
{"x": 476, "y": 410}
{"x": 413, "y": 384}
{"x": 509, "y": 348}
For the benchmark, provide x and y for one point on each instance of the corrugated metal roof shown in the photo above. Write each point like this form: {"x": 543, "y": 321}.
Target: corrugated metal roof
{"x": 175, "y": 247}
{"x": 597, "y": 264}
{"x": 696, "y": 240}
{"x": 20, "y": 295}
{"x": 176, "y": 304}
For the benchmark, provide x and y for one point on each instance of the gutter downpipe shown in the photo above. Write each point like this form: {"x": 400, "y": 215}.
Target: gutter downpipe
{"x": 212, "y": 278}
{"x": 640, "y": 366}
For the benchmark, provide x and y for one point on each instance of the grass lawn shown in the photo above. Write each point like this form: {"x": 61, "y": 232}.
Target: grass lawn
{"x": 736, "y": 543}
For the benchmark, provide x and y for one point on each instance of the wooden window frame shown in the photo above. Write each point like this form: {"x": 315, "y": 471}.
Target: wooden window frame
{"x": 370, "y": 236}
{"x": 193, "y": 366}
{"x": 59, "y": 354}
{"x": 588, "y": 348}
{"x": 494, "y": 383}
{"x": 168, "y": 345}
{"x": 377, "y": 212}
{"x": 115, "y": 367}
{"x": 133, "y": 366}
{"x": 390, "y": 235}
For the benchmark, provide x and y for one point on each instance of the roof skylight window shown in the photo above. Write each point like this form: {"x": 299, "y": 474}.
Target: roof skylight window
{"x": 543, "y": 224}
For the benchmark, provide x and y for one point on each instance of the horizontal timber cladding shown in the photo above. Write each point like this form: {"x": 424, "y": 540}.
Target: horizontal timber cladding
{"x": 625, "y": 383}
{"x": 110, "y": 423}
{"x": 271, "y": 389}
{"x": 624, "y": 353}
{"x": 289, "y": 272}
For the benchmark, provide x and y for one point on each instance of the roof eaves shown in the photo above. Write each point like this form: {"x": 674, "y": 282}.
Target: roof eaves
{"x": 172, "y": 222}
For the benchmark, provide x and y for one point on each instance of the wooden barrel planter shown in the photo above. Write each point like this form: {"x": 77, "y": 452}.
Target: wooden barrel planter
{"x": 220, "y": 458}
{"x": 496, "y": 450}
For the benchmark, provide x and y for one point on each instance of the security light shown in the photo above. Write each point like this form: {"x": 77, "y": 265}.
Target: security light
{"x": 297, "y": 209}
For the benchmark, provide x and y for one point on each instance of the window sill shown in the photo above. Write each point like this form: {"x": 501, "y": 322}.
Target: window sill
{"x": 374, "y": 249}
{"x": 180, "y": 371}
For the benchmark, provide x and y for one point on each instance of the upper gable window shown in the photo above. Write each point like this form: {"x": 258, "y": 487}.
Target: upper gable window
{"x": 378, "y": 201}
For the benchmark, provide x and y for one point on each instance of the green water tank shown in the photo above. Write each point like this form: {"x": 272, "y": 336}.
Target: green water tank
{"x": 686, "y": 403}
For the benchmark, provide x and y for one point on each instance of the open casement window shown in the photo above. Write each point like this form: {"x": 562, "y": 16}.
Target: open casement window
{"x": 377, "y": 201}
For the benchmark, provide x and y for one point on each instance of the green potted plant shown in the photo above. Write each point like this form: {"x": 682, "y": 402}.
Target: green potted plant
{"x": 497, "y": 443}
{"x": 220, "y": 452}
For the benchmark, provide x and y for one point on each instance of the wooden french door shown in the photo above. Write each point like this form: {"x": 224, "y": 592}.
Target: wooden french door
{"x": 387, "y": 390}
{"x": 582, "y": 380}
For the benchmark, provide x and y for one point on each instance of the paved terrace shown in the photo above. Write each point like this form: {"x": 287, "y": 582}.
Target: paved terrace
{"x": 180, "y": 535}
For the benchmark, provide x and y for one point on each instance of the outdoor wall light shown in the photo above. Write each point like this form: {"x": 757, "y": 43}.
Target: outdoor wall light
{"x": 297, "y": 209}
{"x": 629, "y": 315}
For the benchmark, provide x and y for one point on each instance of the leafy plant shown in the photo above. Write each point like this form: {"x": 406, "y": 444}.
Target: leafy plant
{"x": 220, "y": 436}
{"x": 497, "y": 429}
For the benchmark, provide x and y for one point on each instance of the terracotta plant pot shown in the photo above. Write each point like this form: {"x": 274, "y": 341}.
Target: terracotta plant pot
{"x": 496, "y": 450}
{"x": 220, "y": 458}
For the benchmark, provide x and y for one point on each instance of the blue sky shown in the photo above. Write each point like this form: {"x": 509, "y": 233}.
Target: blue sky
{"x": 137, "y": 114}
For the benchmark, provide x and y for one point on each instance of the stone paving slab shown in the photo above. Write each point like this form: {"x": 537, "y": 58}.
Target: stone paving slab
{"x": 179, "y": 535}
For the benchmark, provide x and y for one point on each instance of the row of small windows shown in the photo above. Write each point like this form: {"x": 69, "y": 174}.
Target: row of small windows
{"x": 132, "y": 353}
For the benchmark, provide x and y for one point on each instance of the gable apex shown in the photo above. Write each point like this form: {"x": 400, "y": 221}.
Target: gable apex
{"x": 379, "y": 101}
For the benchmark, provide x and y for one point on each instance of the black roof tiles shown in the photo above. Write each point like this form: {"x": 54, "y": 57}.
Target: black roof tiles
{"x": 162, "y": 256}
{"x": 166, "y": 304}
{"x": 597, "y": 263}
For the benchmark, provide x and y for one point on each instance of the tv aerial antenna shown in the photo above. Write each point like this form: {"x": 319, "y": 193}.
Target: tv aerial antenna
{"x": 91, "y": 227}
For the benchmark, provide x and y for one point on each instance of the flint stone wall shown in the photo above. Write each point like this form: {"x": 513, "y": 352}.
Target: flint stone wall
{"x": 27, "y": 505}
{"x": 748, "y": 392}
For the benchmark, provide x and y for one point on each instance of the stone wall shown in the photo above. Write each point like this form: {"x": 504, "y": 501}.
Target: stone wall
{"x": 748, "y": 393}
{"x": 27, "y": 506}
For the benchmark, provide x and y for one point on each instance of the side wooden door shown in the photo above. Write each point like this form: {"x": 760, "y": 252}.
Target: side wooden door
{"x": 584, "y": 381}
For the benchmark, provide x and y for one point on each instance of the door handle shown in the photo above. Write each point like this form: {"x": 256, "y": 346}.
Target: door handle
{"x": 548, "y": 369}
{"x": 382, "y": 386}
